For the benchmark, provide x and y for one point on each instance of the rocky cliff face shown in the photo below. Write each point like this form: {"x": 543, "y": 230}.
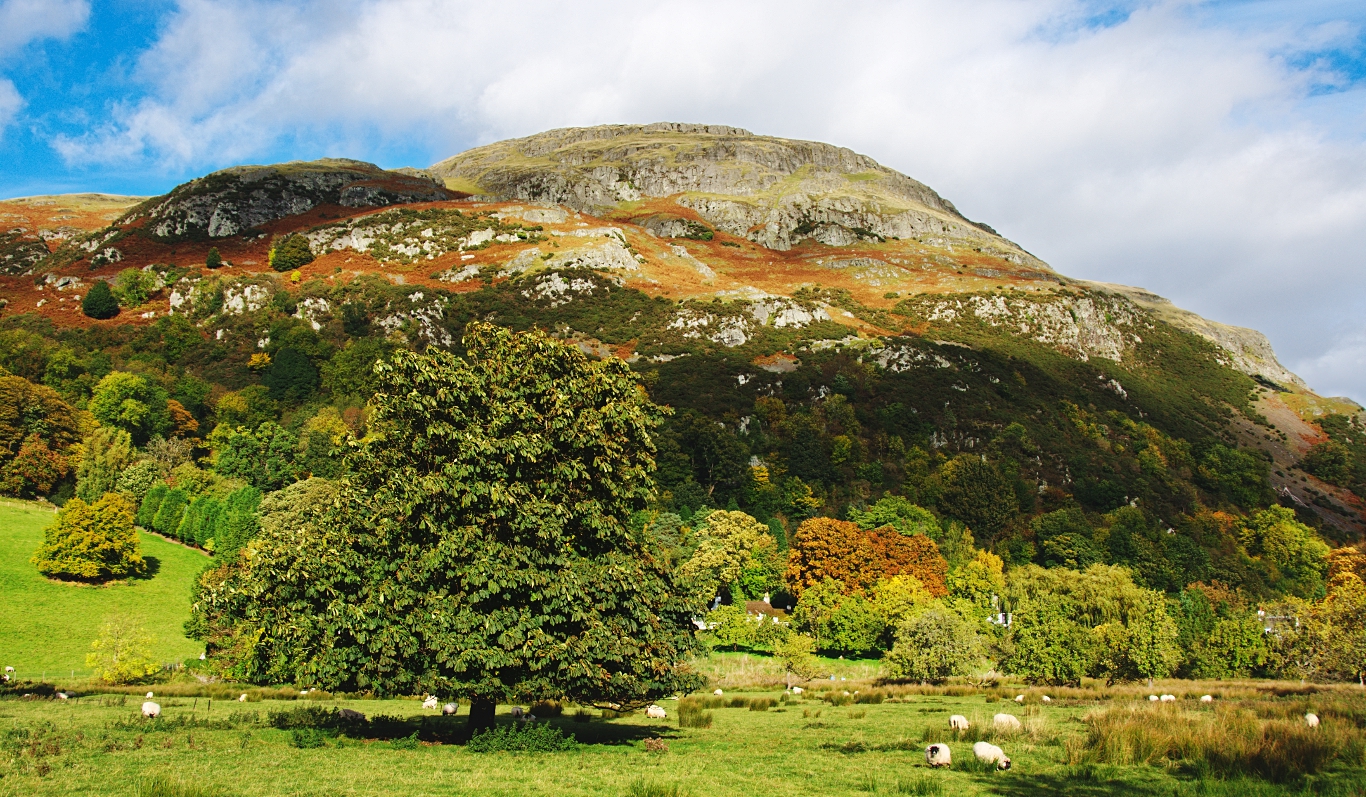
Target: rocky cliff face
{"x": 775, "y": 192}
{"x": 228, "y": 202}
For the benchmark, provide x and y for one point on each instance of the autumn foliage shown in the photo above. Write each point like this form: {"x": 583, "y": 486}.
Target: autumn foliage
{"x": 827, "y": 548}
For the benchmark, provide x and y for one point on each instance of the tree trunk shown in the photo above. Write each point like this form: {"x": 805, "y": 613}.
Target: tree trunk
{"x": 481, "y": 714}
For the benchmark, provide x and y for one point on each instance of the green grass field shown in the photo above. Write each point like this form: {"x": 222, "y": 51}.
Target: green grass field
{"x": 98, "y": 745}
{"x": 47, "y": 626}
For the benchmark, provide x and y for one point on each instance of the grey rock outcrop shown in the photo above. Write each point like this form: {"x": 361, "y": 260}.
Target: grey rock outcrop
{"x": 776, "y": 192}
{"x": 231, "y": 201}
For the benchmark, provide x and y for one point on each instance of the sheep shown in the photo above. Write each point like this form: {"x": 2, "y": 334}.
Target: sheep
{"x": 9, "y": 669}
{"x": 797, "y": 690}
{"x": 1006, "y": 722}
{"x": 990, "y": 753}
{"x": 1311, "y": 719}
{"x": 431, "y": 703}
{"x": 449, "y": 709}
{"x": 150, "y": 695}
{"x": 1152, "y": 698}
{"x": 517, "y": 712}
{"x": 351, "y": 715}
{"x": 718, "y": 693}
{"x": 958, "y": 722}
{"x": 1047, "y": 699}
{"x": 938, "y": 755}
{"x": 1019, "y": 698}
{"x": 1206, "y": 699}
{"x": 1168, "y": 698}
{"x": 242, "y": 698}
{"x": 63, "y": 696}
{"x": 655, "y": 713}
{"x": 151, "y": 710}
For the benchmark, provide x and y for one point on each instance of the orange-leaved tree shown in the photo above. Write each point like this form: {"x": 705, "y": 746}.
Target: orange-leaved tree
{"x": 827, "y": 548}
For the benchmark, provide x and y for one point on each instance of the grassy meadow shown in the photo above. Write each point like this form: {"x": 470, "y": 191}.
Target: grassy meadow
{"x": 47, "y": 626}
{"x": 757, "y": 743}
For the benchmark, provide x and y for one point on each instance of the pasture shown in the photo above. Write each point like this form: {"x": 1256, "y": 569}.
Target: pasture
{"x": 46, "y": 626}
{"x": 757, "y": 743}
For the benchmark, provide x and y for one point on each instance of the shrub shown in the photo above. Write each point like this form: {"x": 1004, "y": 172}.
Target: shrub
{"x": 99, "y": 302}
{"x": 213, "y": 259}
{"x": 934, "y": 646}
{"x": 304, "y": 738}
{"x": 531, "y": 737}
{"x": 123, "y": 652}
{"x": 134, "y": 286}
{"x": 91, "y": 542}
{"x": 290, "y": 252}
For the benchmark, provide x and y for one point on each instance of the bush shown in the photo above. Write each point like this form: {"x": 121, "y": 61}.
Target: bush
{"x": 133, "y": 286}
{"x": 530, "y": 737}
{"x": 99, "y": 302}
{"x": 123, "y": 653}
{"x": 91, "y": 542}
{"x": 213, "y": 259}
{"x": 934, "y": 646}
{"x": 290, "y": 252}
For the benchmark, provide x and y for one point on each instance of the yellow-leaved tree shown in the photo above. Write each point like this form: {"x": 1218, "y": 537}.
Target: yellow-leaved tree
{"x": 123, "y": 652}
{"x": 92, "y": 542}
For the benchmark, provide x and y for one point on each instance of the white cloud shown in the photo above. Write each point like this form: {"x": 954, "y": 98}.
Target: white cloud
{"x": 23, "y": 21}
{"x": 1174, "y": 149}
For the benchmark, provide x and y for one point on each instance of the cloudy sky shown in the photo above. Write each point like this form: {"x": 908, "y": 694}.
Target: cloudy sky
{"x": 1214, "y": 152}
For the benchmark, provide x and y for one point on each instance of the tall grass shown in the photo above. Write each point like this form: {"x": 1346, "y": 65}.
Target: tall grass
{"x": 1230, "y": 741}
{"x": 161, "y": 786}
{"x": 692, "y": 712}
{"x": 645, "y": 788}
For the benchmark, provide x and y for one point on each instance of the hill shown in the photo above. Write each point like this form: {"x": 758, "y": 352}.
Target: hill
{"x": 816, "y": 319}
{"x": 49, "y": 625}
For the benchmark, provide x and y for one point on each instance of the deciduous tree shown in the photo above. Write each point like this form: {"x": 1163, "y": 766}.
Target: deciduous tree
{"x": 91, "y": 542}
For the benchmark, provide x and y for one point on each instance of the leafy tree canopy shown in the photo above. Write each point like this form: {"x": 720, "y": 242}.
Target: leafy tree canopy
{"x": 479, "y": 549}
{"x": 132, "y": 403}
{"x": 91, "y": 542}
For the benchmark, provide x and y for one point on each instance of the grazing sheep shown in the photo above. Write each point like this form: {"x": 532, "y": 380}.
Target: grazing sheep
{"x": 1019, "y": 698}
{"x": 797, "y": 690}
{"x": 242, "y": 698}
{"x": 150, "y": 695}
{"x": 9, "y": 669}
{"x": 986, "y": 751}
{"x": 1006, "y": 722}
{"x": 1312, "y": 720}
{"x": 1152, "y": 698}
{"x": 6, "y": 676}
{"x": 304, "y": 691}
{"x": 1168, "y": 698}
{"x": 1206, "y": 699}
{"x": 351, "y": 714}
{"x": 62, "y": 696}
{"x": 958, "y": 722}
{"x": 938, "y": 755}
{"x": 151, "y": 710}
{"x": 718, "y": 693}
{"x": 449, "y": 709}
{"x": 655, "y": 713}
{"x": 1047, "y": 699}
{"x": 431, "y": 703}
{"x": 518, "y": 712}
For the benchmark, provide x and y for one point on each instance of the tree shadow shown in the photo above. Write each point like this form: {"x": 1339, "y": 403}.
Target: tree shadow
{"x": 151, "y": 566}
{"x": 1074, "y": 784}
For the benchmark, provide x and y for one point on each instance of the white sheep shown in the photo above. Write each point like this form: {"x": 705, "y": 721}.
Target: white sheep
{"x": 990, "y": 753}
{"x": 655, "y": 713}
{"x": 1019, "y": 698}
{"x": 1312, "y": 720}
{"x": 9, "y": 669}
{"x": 151, "y": 710}
{"x": 718, "y": 693}
{"x": 431, "y": 703}
{"x": 1206, "y": 699}
{"x": 1168, "y": 698}
{"x": 938, "y": 755}
{"x": 62, "y": 696}
{"x": 1047, "y": 699}
{"x": 1006, "y": 722}
{"x": 150, "y": 695}
{"x": 449, "y": 709}
{"x": 958, "y": 722}
{"x": 242, "y": 698}
{"x": 797, "y": 690}
{"x": 517, "y": 711}
{"x": 1152, "y": 698}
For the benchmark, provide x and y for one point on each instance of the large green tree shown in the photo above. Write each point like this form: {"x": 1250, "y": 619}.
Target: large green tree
{"x": 479, "y": 548}
{"x": 132, "y": 403}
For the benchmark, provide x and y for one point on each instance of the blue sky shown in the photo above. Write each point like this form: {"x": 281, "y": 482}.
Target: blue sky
{"x": 1214, "y": 152}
